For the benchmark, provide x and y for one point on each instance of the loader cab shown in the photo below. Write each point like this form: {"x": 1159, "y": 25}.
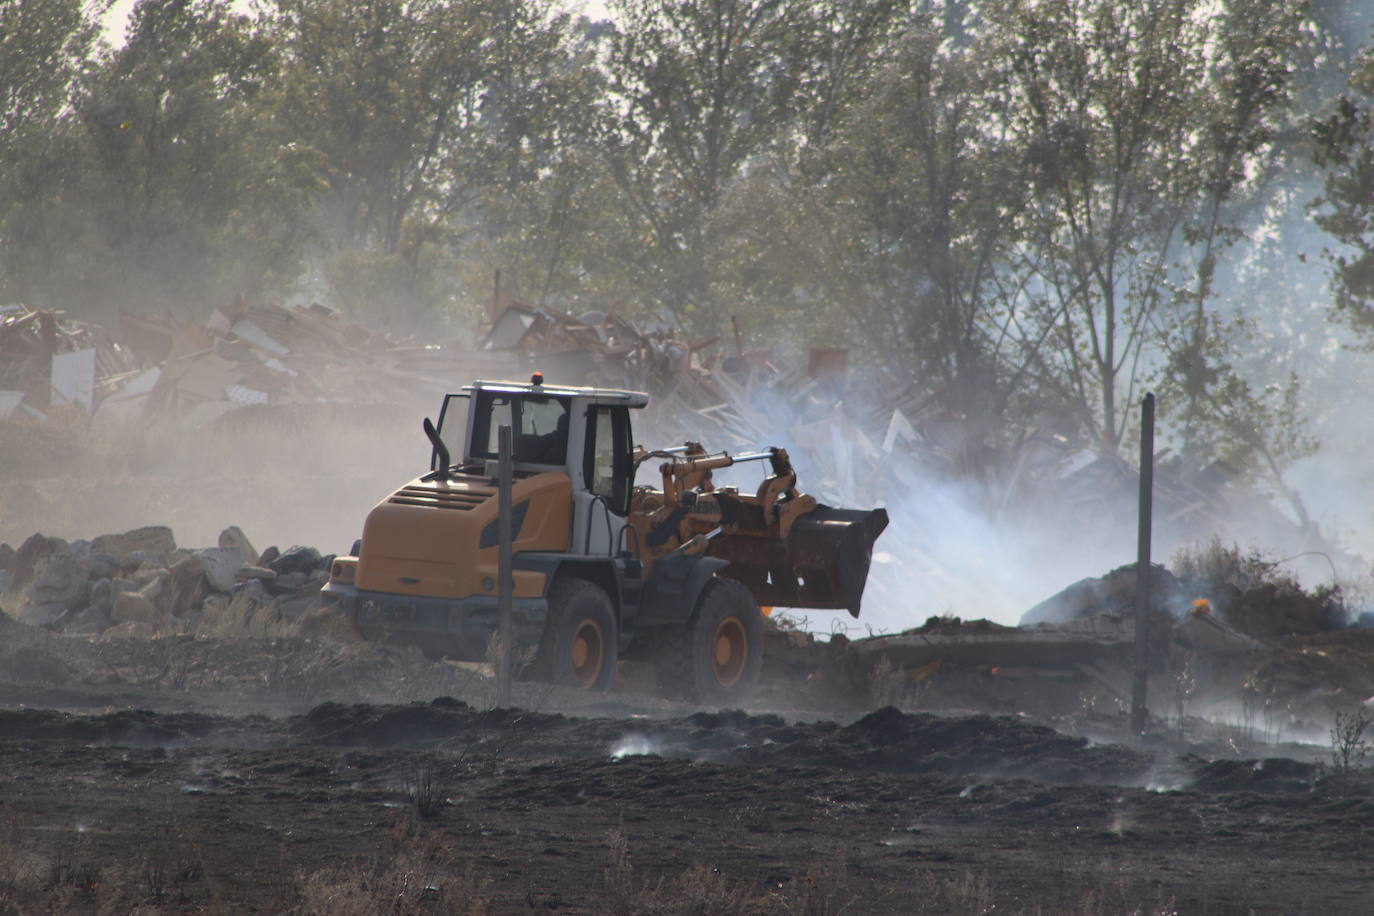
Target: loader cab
{"x": 585, "y": 433}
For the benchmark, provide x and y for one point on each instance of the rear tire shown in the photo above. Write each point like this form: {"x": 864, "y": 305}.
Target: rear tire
{"x": 718, "y": 656}
{"x": 580, "y": 637}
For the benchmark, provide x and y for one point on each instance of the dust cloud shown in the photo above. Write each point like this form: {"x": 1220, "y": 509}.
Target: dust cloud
{"x": 294, "y": 474}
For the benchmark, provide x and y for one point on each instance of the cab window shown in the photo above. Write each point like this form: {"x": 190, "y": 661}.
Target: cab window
{"x": 539, "y": 426}
{"x": 452, "y": 426}
{"x": 607, "y": 464}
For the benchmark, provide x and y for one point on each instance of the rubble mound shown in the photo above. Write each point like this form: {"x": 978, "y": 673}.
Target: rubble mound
{"x": 1268, "y": 775}
{"x": 139, "y": 583}
{"x": 948, "y": 625}
{"x": 889, "y": 740}
{"x": 1113, "y": 593}
{"x": 415, "y": 724}
{"x": 129, "y": 727}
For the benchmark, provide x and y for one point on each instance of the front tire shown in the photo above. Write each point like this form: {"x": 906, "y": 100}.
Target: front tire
{"x": 580, "y": 638}
{"x": 718, "y": 656}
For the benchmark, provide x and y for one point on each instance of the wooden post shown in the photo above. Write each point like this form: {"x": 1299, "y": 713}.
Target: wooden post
{"x": 505, "y": 584}
{"x": 1142, "y": 565}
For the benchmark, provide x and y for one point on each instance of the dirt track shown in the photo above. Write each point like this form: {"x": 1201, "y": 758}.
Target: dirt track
{"x": 326, "y": 789}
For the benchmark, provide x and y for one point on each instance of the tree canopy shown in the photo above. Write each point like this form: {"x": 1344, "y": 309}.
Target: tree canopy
{"x": 1030, "y": 210}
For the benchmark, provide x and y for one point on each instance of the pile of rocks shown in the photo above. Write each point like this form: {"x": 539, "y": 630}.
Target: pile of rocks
{"x": 140, "y": 583}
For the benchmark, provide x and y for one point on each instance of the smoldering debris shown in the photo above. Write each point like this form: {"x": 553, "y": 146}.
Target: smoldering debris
{"x": 859, "y": 446}
{"x": 981, "y": 522}
{"x": 1275, "y": 659}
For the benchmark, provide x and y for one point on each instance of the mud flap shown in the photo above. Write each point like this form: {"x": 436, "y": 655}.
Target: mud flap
{"x": 823, "y": 563}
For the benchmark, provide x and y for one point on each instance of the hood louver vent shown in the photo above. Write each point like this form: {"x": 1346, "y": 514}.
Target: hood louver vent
{"x": 439, "y": 499}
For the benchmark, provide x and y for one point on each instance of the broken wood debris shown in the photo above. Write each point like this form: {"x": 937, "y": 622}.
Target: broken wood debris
{"x": 856, "y": 449}
{"x": 50, "y": 361}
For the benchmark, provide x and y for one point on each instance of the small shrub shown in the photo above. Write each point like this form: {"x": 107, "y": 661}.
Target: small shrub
{"x": 427, "y": 791}
{"x": 1218, "y": 565}
{"x": 1349, "y": 747}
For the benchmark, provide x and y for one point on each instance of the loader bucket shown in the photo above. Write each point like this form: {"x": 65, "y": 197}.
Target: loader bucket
{"x": 822, "y": 564}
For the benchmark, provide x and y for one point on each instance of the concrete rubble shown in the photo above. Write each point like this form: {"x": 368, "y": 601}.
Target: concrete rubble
{"x": 140, "y": 583}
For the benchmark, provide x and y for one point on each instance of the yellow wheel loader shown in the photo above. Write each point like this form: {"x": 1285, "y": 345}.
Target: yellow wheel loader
{"x": 602, "y": 568}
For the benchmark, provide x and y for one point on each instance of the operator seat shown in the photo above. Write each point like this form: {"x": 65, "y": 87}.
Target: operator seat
{"x": 550, "y": 448}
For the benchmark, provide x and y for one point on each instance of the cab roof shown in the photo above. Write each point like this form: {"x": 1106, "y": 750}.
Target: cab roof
{"x": 607, "y": 395}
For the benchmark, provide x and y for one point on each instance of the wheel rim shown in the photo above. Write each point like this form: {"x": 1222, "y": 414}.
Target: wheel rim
{"x": 586, "y": 652}
{"x": 730, "y": 649}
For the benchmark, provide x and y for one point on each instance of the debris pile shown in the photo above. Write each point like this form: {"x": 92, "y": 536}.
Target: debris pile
{"x": 140, "y": 583}
{"x": 1261, "y": 610}
{"x": 1270, "y": 648}
{"x": 861, "y": 449}
{"x": 856, "y": 450}
{"x": 49, "y": 361}
{"x": 887, "y": 445}
{"x": 246, "y": 355}
{"x": 274, "y": 355}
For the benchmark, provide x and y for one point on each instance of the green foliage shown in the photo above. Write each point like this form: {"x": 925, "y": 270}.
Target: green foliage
{"x": 699, "y": 89}
{"x": 1027, "y": 210}
{"x": 1140, "y": 123}
{"x": 895, "y": 233}
{"x": 382, "y": 93}
{"x": 1344, "y": 148}
{"x": 547, "y": 217}
{"x": 441, "y": 130}
{"x": 44, "y": 45}
{"x": 178, "y": 198}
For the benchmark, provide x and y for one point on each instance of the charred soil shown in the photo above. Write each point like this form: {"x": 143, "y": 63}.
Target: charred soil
{"x": 194, "y": 774}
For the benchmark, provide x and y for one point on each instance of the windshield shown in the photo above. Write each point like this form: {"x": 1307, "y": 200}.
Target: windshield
{"x": 539, "y": 425}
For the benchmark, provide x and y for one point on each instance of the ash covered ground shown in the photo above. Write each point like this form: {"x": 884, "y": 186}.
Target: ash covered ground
{"x": 236, "y": 751}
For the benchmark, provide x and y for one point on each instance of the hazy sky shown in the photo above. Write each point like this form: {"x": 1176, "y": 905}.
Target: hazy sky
{"x": 118, "y": 14}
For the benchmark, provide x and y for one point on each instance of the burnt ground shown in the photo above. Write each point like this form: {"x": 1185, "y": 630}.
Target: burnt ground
{"x": 197, "y": 775}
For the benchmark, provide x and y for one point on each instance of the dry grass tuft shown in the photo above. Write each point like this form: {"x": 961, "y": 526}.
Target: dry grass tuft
{"x": 414, "y": 872}
{"x": 703, "y": 890}
{"x": 242, "y": 617}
